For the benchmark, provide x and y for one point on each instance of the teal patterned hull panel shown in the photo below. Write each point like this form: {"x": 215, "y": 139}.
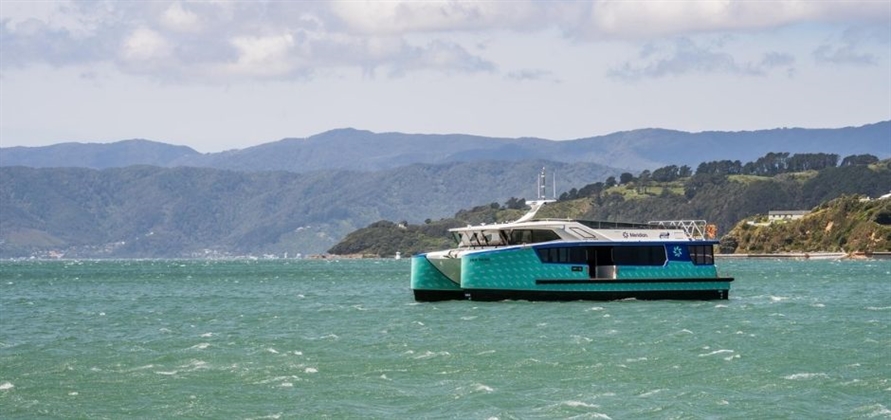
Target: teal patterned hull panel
{"x": 521, "y": 269}
{"x": 672, "y": 270}
{"x": 425, "y": 276}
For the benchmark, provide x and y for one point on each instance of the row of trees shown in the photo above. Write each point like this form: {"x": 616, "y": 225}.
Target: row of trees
{"x": 779, "y": 163}
{"x": 770, "y": 164}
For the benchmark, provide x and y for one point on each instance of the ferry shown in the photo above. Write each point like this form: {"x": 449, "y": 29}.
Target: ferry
{"x": 567, "y": 259}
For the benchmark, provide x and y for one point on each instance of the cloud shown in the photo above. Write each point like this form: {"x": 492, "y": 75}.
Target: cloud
{"x": 144, "y": 44}
{"x": 648, "y": 19}
{"x": 220, "y": 41}
{"x": 531, "y": 74}
{"x": 181, "y": 20}
{"x": 848, "y": 49}
{"x": 683, "y": 56}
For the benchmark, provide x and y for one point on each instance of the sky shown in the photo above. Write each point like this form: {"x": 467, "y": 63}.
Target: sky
{"x": 217, "y": 75}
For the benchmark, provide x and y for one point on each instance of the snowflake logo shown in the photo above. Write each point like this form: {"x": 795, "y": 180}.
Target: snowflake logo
{"x": 678, "y": 251}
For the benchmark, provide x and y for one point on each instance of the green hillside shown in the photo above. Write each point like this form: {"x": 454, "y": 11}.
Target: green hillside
{"x": 847, "y": 224}
{"x": 720, "y": 192}
{"x": 152, "y": 212}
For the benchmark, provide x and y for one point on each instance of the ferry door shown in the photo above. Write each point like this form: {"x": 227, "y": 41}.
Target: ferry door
{"x": 599, "y": 256}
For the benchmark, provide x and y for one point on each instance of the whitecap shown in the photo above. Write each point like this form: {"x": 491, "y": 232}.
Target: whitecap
{"x": 596, "y": 308}
{"x": 485, "y": 352}
{"x": 286, "y": 385}
{"x": 721, "y": 305}
{"x": 715, "y": 352}
{"x": 205, "y": 335}
{"x": 200, "y": 346}
{"x": 483, "y": 388}
{"x": 166, "y": 372}
{"x": 194, "y": 365}
{"x": 778, "y": 298}
{"x": 579, "y": 404}
{"x": 878, "y": 308}
{"x": 73, "y": 393}
{"x": 653, "y": 392}
{"x": 806, "y": 376}
{"x": 428, "y": 354}
{"x": 311, "y": 370}
{"x": 875, "y": 410}
{"x": 272, "y": 350}
{"x": 6, "y": 386}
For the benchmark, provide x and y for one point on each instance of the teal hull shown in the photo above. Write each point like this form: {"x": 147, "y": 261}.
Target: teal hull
{"x": 518, "y": 273}
{"x": 429, "y": 284}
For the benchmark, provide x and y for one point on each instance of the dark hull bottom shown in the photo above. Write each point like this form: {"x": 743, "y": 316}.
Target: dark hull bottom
{"x": 494, "y": 295}
{"x": 439, "y": 295}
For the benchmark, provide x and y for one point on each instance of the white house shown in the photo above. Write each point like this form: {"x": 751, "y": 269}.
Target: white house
{"x": 785, "y": 215}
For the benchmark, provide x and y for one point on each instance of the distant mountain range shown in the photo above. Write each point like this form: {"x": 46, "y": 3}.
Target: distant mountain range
{"x": 148, "y": 211}
{"x": 350, "y": 149}
{"x": 139, "y": 198}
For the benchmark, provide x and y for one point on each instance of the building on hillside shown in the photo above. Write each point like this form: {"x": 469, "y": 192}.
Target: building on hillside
{"x": 774, "y": 216}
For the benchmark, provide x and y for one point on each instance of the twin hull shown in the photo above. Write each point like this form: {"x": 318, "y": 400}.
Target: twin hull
{"x": 557, "y": 272}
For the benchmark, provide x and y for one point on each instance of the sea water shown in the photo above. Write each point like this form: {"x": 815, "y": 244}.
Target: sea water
{"x": 345, "y": 339}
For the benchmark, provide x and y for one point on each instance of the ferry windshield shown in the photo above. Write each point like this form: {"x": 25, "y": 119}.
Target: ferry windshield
{"x": 482, "y": 238}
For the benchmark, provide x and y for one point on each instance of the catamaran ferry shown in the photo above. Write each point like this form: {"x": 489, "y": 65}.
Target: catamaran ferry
{"x": 564, "y": 259}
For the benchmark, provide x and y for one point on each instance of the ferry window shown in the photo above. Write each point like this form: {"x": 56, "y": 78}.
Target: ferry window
{"x": 582, "y": 233}
{"x": 639, "y": 255}
{"x": 562, "y": 255}
{"x": 702, "y": 254}
{"x": 531, "y": 236}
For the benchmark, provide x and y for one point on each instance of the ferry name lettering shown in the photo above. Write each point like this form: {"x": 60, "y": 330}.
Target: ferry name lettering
{"x": 634, "y": 235}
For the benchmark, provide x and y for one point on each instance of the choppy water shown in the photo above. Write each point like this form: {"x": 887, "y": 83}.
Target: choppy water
{"x": 344, "y": 339}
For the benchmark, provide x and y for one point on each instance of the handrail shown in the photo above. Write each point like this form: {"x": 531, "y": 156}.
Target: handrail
{"x": 695, "y": 229}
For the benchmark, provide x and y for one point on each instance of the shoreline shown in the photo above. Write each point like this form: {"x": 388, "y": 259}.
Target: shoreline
{"x": 812, "y": 255}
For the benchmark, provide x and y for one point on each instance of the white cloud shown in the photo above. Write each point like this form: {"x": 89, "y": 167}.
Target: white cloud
{"x": 181, "y": 20}
{"x": 264, "y": 56}
{"x": 184, "y": 40}
{"x": 399, "y": 17}
{"x": 144, "y": 44}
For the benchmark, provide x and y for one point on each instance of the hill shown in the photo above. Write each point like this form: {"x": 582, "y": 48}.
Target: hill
{"x": 847, "y": 224}
{"x": 146, "y": 211}
{"x": 720, "y": 198}
{"x": 350, "y": 149}
{"x": 96, "y": 155}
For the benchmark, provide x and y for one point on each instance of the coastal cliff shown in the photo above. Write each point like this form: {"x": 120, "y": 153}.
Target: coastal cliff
{"x": 849, "y": 224}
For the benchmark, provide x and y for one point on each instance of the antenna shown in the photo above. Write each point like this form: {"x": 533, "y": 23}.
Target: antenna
{"x": 542, "y": 185}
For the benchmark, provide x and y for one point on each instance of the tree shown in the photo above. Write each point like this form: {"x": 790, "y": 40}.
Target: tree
{"x": 859, "y": 160}
{"x": 514, "y": 203}
{"x": 666, "y": 173}
{"x": 591, "y": 190}
{"x": 611, "y": 182}
{"x": 625, "y": 178}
